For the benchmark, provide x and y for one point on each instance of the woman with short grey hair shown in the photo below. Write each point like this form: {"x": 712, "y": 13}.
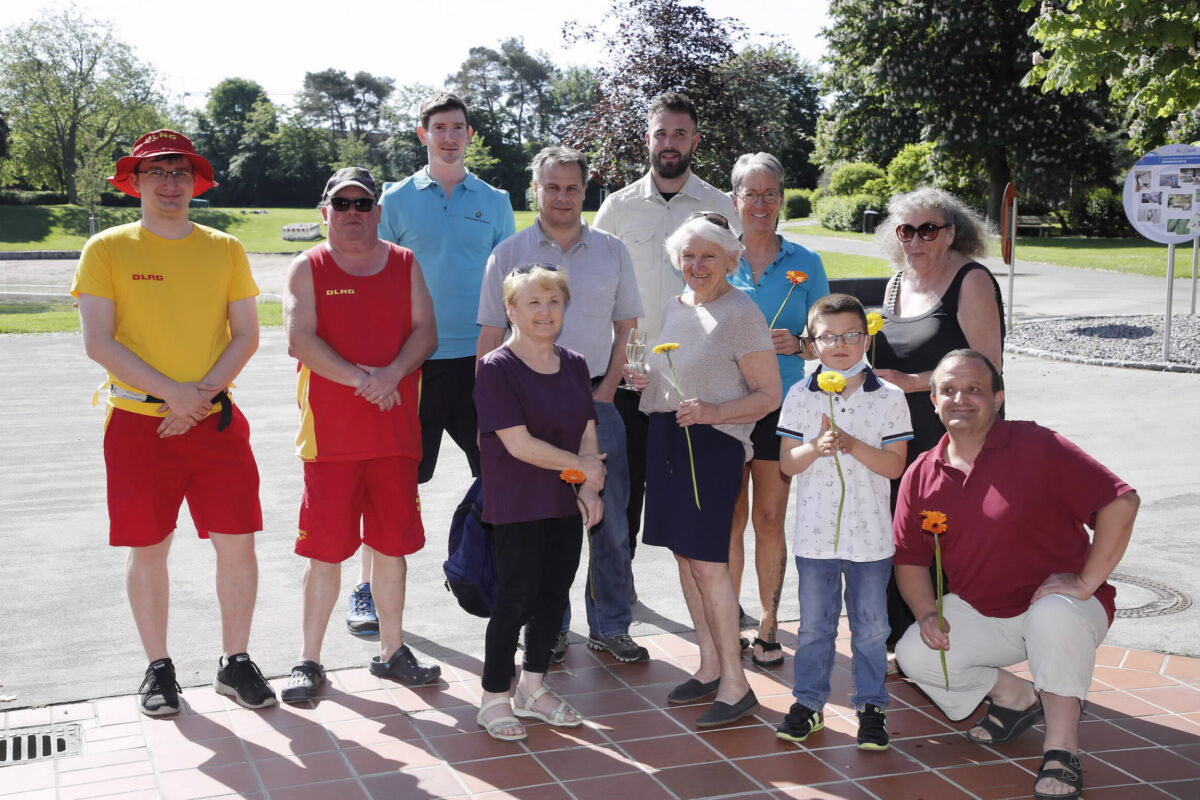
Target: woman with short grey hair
{"x": 702, "y": 404}
{"x": 763, "y": 275}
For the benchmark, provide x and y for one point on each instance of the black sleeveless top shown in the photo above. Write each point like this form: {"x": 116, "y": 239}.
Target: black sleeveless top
{"x": 917, "y": 344}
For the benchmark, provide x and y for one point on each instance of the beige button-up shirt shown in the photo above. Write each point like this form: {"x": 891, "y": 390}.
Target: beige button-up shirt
{"x": 643, "y": 220}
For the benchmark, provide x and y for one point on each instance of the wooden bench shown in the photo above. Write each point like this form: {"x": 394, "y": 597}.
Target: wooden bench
{"x": 1031, "y": 222}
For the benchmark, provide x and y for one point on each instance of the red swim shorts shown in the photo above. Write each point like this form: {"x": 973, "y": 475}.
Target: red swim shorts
{"x": 348, "y": 503}
{"x": 149, "y": 478}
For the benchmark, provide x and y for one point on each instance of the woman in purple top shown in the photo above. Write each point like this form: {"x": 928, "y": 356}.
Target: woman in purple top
{"x": 536, "y": 418}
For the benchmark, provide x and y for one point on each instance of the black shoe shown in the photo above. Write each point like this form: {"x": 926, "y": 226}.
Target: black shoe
{"x": 404, "y": 667}
{"x": 307, "y": 677}
{"x": 558, "y": 653}
{"x": 159, "y": 689}
{"x": 799, "y": 723}
{"x": 240, "y": 678}
{"x": 723, "y": 713}
{"x": 622, "y": 647}
{"x": 692, "y": 690}
{"x": 872, "y": 728}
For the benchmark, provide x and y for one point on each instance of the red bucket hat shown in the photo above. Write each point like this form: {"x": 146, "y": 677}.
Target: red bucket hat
{"x": 163, "y": 143}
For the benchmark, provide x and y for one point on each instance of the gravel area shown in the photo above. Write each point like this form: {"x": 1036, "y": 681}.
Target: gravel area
{"x": 1133, "y": 341}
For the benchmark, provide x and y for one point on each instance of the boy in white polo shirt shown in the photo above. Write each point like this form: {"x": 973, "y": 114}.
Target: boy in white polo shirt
{"x": 871, "y": 437}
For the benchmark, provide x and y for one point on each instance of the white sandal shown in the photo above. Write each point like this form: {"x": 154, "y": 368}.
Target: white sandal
{"x": 500, "y": 723}
{"x": 557, "y": 717}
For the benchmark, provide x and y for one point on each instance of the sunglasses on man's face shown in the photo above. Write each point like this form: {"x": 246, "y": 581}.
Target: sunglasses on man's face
{"x": 712, "y": 216}
{"x": 928, "y": 231}
{"x": 361, "y": 204}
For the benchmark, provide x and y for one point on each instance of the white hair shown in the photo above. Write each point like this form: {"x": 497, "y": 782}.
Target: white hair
{"x": 702, "y": 228}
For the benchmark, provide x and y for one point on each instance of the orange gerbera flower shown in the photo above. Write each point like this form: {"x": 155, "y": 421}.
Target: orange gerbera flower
{"x": 796, "y": 276}
{"x": 934, "y": 522}
{"x": 572, "y": 476}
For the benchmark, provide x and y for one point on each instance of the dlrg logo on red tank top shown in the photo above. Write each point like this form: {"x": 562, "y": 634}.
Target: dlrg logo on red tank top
{"x": 338, "y": 291}
{"x": 146, "y": 277}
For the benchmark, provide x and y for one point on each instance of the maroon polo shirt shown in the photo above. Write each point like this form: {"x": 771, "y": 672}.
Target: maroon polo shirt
{"x": 1016, "y": 519}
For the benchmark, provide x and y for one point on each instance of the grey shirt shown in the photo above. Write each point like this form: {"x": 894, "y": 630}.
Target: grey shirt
{"x": 599, "y": 273}
{"x": 711, "y": 337}
{"x": 644, "y": 220}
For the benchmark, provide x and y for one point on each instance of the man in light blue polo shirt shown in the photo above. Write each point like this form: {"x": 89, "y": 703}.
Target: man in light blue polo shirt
{"x": 451, "y": 220}
{"x": 604, "y": 306}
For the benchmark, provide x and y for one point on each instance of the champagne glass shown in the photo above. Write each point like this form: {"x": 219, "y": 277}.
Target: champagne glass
{"x": 635, "y": 352}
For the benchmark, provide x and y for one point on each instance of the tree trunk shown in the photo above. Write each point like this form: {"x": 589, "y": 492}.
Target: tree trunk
{"x": 999, "y": 176}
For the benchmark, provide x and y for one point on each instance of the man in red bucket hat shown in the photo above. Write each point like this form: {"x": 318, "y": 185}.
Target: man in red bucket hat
{"x": 168, "y": 309}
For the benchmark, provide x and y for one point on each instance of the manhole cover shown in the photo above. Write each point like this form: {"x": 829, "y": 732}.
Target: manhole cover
{"x": 22, "y": 745}
{"x": 1153, "y": 599}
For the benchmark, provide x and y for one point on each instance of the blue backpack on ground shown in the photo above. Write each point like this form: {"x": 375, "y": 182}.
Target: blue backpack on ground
{"x": 471, "y": 566}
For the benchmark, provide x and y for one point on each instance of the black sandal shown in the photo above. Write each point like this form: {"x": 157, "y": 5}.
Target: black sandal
{"x": 1071, "y": 774}
{"x": 767, "y": 647}
{"x": 1005, "y": 724}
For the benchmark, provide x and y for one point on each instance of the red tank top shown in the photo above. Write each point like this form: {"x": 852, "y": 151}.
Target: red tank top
{"x": 366, "y": 320}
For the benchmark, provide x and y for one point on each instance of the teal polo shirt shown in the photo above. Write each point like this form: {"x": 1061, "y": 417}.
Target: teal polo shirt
{"x": 451, "y": 238}
{"x": 772, "y": 289}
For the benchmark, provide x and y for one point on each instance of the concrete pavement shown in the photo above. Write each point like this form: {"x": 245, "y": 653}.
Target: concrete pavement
{"x": 66, "y": 632}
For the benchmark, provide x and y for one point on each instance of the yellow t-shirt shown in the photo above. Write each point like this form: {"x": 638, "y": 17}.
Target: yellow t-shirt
{"x": 171, "y": 296}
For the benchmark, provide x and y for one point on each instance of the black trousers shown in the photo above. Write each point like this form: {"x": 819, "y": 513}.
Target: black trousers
{"x": 535, "y": 567}
{"x": 447, "y": 404}
{"x": 637, "y": 426}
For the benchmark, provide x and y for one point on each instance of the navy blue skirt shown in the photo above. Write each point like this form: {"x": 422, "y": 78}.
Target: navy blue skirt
{"x": 672, "y": 519}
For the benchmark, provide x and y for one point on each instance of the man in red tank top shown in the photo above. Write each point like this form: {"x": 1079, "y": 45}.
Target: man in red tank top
{"x": 360, "y": 322}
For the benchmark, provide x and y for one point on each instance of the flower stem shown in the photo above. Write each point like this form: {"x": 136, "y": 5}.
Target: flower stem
{"x": 837, "y": 462}
{"x": 686, "y": 432}
{"x": 787, "y": 297}
{"x": 937, "y": 560}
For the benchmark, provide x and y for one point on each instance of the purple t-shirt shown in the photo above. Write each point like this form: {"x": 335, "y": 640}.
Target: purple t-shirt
{"x": 554, "y": 408}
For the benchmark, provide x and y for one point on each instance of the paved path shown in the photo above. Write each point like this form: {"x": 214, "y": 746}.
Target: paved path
{"x": 65, "y": 628}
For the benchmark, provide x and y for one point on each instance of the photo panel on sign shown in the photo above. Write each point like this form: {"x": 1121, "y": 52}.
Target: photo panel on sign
{"x": 1156, "y": 211}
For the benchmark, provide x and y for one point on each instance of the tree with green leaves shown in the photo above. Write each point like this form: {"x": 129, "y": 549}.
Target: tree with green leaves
{"x": 70, "y": 87}
{"x": 779, "y": 102}
{"x": 955, "y": 70}
{"x": 1147, "y": 53}
{"x": 344, "y": 104}
{"x": 220, "y": 128}
{"x": 758, "y": 98}
{"x": 651, "y": 47}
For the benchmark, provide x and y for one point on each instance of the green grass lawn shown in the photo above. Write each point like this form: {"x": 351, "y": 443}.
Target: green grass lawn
{"x": 65, "y": 227}
{"x": 1136, "y": 256}
{"x": 37, "y": 316}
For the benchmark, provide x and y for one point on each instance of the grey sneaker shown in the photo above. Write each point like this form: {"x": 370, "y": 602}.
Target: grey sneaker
{"x": 361, "y": 619}
{"x": 622, "y": 647}
{"x": 558, "y": 653}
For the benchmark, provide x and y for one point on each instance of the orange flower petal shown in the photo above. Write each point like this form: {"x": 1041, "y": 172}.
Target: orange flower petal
{"x": 796, "y": 276}
{"x": 572, "y": 476}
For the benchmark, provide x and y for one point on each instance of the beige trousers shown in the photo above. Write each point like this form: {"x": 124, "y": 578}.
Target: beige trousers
{"x": 1058, "y": 636}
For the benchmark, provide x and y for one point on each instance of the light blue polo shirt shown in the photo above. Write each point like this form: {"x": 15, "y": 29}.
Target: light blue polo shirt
{"x": 771, "y": 290}
{"x": 451, "y": 239}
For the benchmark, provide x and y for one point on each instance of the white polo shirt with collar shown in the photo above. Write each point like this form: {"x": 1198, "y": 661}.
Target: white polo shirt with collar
{"x": 643, "y": 220}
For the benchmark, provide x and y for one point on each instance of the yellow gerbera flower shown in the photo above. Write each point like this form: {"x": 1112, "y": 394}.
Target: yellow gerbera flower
{"x": 665, "y": 347}
{"x": 831, "y": 381}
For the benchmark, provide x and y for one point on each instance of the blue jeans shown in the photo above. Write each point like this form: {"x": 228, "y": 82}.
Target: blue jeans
{"x": 820, "y": 606}
{"x": 609, "y": 613}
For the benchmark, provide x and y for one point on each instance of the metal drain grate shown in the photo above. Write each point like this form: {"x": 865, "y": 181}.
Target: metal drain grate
{"x": 22, "y": 745}
{"x": 1166, "y": 600}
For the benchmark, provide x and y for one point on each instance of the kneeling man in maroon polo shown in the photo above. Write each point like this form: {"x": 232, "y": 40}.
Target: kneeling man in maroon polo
{"x": 360, "y": 322}
{"x": 1026, "y": 583}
